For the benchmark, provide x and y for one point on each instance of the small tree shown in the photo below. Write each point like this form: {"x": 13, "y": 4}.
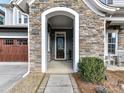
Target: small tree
{"x": 91, "y": 69}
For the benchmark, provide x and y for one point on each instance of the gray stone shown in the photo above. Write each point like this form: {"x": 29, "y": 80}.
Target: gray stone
{"x": 35, "y": 32}
{"x": 101, "y": 89}
{"x": 122, "y": 86}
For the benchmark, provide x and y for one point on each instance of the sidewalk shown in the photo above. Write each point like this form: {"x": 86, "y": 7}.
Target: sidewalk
{"x": 56, "y": 83}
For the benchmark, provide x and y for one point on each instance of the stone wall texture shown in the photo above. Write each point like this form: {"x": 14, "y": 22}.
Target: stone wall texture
{"x": 91, "y": 29}
{"x": 121, "y": 40}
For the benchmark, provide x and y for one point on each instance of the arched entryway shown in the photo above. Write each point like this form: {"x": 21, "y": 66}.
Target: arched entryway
{"x": 72, "y": 21}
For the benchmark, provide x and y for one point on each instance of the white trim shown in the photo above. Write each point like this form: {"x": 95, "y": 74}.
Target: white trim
{"x": 13, "y": 63}
{"x": 64, "y": 33}
{"x": 29, "y": 63}
{"x": 100, "y": 8}
{"x": 115, "y": 19}
{"x": 19, "y": 1}
{"x": 14, "y": 15}
{"x": 22, "y": 17}
{"x": 32, "y": 1}
{"x": 105, "y": 7}
{"x": 10, "y": 1}
{"x": 44, "y": 49}
{"x": 98, "y": 4}
{"x": 106, "y": 41}
{"x": 13, "y": 36}
{"x": 48, "y": 42}
{"x": 93, "y": 8}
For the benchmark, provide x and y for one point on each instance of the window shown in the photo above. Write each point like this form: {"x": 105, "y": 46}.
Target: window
{"x": 25, "y": 19}
{"x": 103, "y": 1}
{"x": 22, "y": 42}
{"x": 1, "y": 20}
{"x": 112, "y": 43}
{"x": 20, "y": 19}
{"x": 110, "y": 2}
{"x": 107, "y": 1}
{"x": 8, "y": 41}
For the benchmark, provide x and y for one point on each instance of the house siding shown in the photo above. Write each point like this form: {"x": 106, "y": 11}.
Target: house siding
{"x": 91, "y": 29}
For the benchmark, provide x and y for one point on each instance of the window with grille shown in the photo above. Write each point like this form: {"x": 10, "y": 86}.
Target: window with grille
{"x": 1, "y": 20}
{"x": 20, "y": 19}
{"x": 107, "y": 1}
{"x": 110, "y": 1}
{"x": 22, "y": 42}
{"x": 25, "y": 19}
{"x": 8, "y": 41}
{"x": 111, "y": 43}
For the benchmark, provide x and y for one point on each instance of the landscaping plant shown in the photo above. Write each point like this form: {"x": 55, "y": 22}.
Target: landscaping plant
{"x": 91, "y": 69}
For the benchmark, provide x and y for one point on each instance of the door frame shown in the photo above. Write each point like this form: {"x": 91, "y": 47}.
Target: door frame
{"x": 64, "y": 33}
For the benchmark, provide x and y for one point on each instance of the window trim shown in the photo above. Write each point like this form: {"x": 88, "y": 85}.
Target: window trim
{"x": 116, "y": 43}
{"x": 25, "y": 17}
{"x": 19, "y": 17}
{"x": 108, "y": 2}
{"x": 22, "y": 17}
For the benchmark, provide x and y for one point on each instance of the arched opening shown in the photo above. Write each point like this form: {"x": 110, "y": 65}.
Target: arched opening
{"x": 60, "y": 37}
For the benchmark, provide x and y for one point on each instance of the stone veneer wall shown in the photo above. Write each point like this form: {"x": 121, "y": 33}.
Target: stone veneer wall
{"x": 121, "y": 40}
{"x": 91, "y": 29}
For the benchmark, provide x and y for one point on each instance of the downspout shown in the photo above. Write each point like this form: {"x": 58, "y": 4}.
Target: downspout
{"x": 14, "y": 4}
{"x": 29, "y": 62}
{"x": 105, "y": 41}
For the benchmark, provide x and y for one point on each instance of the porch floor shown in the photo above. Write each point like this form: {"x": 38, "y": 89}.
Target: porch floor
{"x": 60, "y": 67}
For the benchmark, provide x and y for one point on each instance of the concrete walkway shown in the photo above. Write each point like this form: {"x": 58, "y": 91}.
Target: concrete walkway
{"x": 62, "y": 67}
{"x": 58, "y": 83}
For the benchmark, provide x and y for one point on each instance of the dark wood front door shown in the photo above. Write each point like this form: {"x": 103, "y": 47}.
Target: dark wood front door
{"x": 60, "y": 43}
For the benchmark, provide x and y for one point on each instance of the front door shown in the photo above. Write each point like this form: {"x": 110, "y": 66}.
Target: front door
{"x": 60, "y": 46}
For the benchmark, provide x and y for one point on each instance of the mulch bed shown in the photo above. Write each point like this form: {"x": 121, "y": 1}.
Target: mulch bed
{"x": 114, "y": 79}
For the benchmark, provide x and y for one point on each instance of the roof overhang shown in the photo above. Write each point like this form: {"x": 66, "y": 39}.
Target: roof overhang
{"x": 7, "y": 5}
{"x": 23, "y": 5}
{"x": 20, "y": 4}
{"x": 95, "y": 5}
{"x": 14, "y": 26}
{"x": 102, "y": 8}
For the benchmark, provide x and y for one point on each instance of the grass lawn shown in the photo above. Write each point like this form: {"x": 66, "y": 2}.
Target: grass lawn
{"x": 29, "y": 84}
{"x": 114, "y": 79}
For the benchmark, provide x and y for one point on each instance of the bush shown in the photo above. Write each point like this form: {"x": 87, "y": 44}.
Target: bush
{"x": 91, "y": 69}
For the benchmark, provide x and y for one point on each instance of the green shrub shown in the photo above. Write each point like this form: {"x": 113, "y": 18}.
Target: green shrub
{"x": 91, "y": 69}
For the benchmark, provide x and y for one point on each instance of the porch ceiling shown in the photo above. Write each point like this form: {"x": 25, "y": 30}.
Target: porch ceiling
{"x": 60, "y": 21}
